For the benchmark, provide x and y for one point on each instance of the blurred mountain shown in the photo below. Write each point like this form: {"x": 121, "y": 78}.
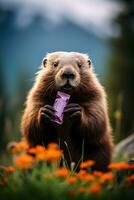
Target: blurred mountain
{"x": 22, "y": 49}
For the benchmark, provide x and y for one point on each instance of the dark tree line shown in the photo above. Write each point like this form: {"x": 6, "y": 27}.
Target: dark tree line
{"x": 120, "y": 78}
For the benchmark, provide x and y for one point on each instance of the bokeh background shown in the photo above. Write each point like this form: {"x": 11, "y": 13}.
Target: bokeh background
{"x": 102, "y": 28}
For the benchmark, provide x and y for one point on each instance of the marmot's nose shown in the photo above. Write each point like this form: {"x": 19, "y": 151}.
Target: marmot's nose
{"x": 68, "y": 75}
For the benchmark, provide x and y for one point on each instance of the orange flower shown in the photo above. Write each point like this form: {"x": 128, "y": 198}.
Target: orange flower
{"x": 98, "y": 173}
{"x": 72, "y": 179}
{"x": 32, "y": 150}
{"x": 119, "y": 166}
{"x": 84, "y": 176}
{"x": 40, "y": 152}
{"x": 24, "y": 161}
{"x": 87, "y": 164}
{"x": 40, "y": 149}
{"x": 15, "y": 147}
{"x": 23, "y": 144}
{"x": 41, "y": 156}
{"x": 10, "y": 169}
{"x": 37, "y": 149}
{"x": 130, "y": 178}
{"x": 95, "y": 188}
{"x": 106, "y": 177}
{"x": 62, "y": 172}
{"x": 52, "y": 146}
{"x": 52, "y": 153}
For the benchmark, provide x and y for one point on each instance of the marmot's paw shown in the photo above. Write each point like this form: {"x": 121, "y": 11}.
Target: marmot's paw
{"x": 73, "y": 111}
{"x": 46, "y": 113}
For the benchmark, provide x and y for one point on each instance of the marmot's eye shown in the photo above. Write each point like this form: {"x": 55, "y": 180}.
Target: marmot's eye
{"x": 79, "y": 65}
{"x": 55, "y": 64}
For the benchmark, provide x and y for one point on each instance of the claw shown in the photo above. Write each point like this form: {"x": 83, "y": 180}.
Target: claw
{"x": 70, "y": 110}
{"x": 73, "y": 110}
{"x": 47, "y": 112}
{"x": 76, "y": 114}
{"x": 48, "y": 107}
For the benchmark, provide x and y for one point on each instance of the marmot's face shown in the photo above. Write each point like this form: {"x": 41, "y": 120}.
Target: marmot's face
{"x": 67, "y": 69}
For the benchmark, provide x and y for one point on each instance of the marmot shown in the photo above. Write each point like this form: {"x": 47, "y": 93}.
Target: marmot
{"x": 86, "y": 130}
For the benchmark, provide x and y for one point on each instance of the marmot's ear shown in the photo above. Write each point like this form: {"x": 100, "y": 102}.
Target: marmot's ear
{"x": 89, "y": 62}
{"x": 44, "y": 62}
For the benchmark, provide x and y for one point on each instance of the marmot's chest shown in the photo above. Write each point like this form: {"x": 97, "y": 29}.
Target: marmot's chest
{"x": 63, "y": 130}
{"x": 67, "y": 143}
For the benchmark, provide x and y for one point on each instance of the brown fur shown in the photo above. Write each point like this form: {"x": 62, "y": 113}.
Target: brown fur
{"x": 93, "y": 130}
